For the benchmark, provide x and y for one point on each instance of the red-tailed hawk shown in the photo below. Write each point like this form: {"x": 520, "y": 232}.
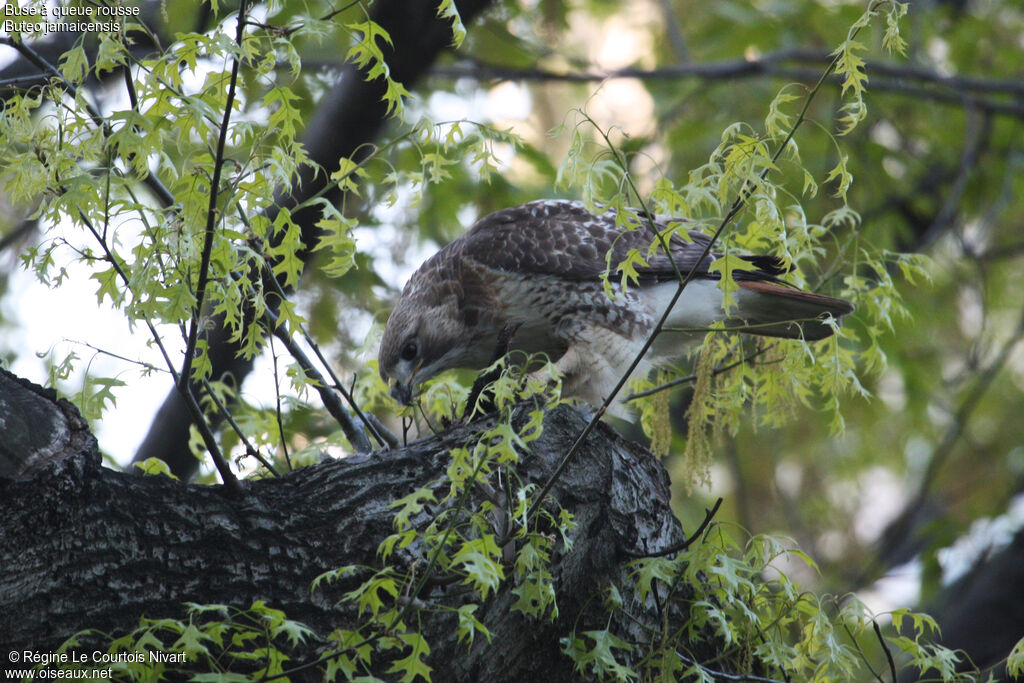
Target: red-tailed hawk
{"x": 539, "y": 266}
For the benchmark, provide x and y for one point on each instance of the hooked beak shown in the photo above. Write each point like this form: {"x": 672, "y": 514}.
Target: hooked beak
{"x": 401, "y": 393}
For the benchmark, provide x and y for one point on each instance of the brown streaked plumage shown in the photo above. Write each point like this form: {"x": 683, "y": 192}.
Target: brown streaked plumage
{"x": 539, "y": 266}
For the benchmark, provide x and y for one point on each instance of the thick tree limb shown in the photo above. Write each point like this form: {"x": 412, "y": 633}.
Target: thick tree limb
{"x": 72, "y": 541}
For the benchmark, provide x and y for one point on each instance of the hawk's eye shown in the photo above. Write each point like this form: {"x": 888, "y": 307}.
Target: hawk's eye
{"x": 410, "y": 350}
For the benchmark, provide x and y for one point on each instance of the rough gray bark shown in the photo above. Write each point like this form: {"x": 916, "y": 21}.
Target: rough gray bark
{"x": 35, "y": 426}
{"x": 83, "y": 546}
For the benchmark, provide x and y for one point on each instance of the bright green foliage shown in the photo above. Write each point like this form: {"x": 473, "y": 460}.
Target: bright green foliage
{"x": 769, "y": 628}
{"x": 367, "y": 53}
{"x": 227, "y": 643}
{"x": 598, "y": 655}
{"x": 448, "y": 10}
{"x": 155, "y": 466}
{"x": 1015, "y": 662}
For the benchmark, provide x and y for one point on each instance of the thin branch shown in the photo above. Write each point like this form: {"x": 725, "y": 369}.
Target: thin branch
{"x": 999, "y": 253}
{"x": 977, "y": 137}
{"x": 723, "y": 676}
{"x": 277, "y": 406}
{"x": 129, "y": 86}
{"x": 185, "y": 388}
{"x": 381, "y": 433}
{"x": 148, "y": 366}
{"x": 167, "y": 198}
{"x": 249, "y": 448}
{"x": 227, "y": 476}
{"x": 24, "y": 229}
{"x": 766, "y": 64}
{"x": 942, "y": 452}
{"x": 21, "y": 83}
{"x": 902, "y": 525}
{"x": 211, "y": 212}
{"x": 885, "y": 648}
{"x": 354, "y": 434}
{"x": 709, "y": 514}
{"x": 692, "y": 378}
{"x": 675, "y": 35}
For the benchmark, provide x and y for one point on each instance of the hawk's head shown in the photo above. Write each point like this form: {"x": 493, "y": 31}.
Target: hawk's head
{"x": 423, "y": 338}
{"x": 404, "y": 352}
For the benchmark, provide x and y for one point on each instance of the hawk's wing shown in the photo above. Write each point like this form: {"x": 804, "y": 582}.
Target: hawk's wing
{"x": 561, "y": 238}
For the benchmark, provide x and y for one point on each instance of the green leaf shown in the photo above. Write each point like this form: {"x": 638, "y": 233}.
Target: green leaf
{"x": 600, "y": 657}
{"x": 74, "y": 64}
{"x": 336, "y": 239}
{"x": 191, "y": 642}
{"x": 469, "y": 625}
{"x": 410, "y": 505}
{"x": 155, "y": 466}
{"x": 479, "y": 559}
{"x": 725, "y": 265}
{"x": 892, "y": 40}
{"x": 1015, "y": 661}
{"x": 348, "y": 175}
{"x": 448, "y": 10}
{"x": 111, "y": 53}
{"x": 109, "y": 286}
{"x": 412, "y": 665}
{"x": 628, "y": 268}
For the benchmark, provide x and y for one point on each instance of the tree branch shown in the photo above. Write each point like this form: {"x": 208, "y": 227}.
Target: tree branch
{"x": 914, "y": 81}
{"x": 212, "y": 213}
{"x": 269, "y": 542}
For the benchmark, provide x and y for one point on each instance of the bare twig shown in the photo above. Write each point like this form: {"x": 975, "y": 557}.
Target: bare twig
{"x": 885, "y": 648}
{"x": 709, "y": 514}
{"x": 249, "y": 448}
{"x": 355, "y": 435}
{"x": 148, "y": 366}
